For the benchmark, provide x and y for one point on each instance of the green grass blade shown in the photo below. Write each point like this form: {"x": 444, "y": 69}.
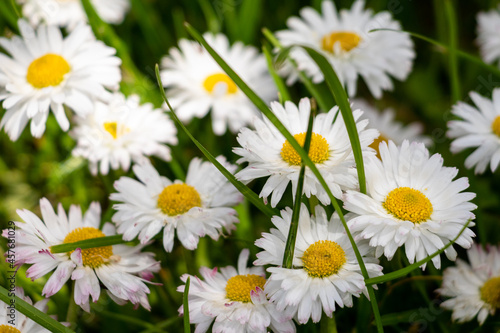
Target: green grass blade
{"x": 245, "y": 190}
{"x": 452, "y": 56}
{"x": 33, "y": 313}
{"x": 294, "y": 224}
{"x": 249, "y": 18}
{"x": 283, "y": 90}
{"x": 323, "y": 102}
{"x": 340, "y": 96}
{"x": 404, "y": 271}
{"x": 467, "y": 56}
{"x": 259, "y": 103}
{"x": 210, "y": 16}
{"x": 185, "y": 306}
{"x": 88, "y": 243}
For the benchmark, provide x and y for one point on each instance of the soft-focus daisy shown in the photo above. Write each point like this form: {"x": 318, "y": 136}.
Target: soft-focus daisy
{"x": 121, "y": 269}
{"x": 269, "y": 154}
{"x": 47, "y": 71}
{"x": 235, "y": 298}
{"x": 196, "y": 83}
{"x": 198, "y": 207}
{"x": 477, "y": 127}
{"x": 411, "y": 200}
{"x": 69, "y": 13}
{"x": 325, "y": 270}
{"x": 488, "y": 25}
{"x": 389, "y": 128}
{"x": 344, "y": 39}
{"x": 13, "y": 321}
{"x": 474, "y": 288}
{"x": 122, "y": 131}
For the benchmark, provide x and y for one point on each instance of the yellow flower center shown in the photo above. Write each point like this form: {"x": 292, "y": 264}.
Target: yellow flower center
{"x": 177, "y": 199}
{"x": 93, "y": 257}
{"x": 323, "y": 258}
{"x": 408, "y": 204}
{"x": 212, "y": 80}
{"x": 111, "y": 128}
{"x": 495, "y": 126}
{"x": 238, "y": 287}
{"x": 319, "y": 150}
{"x": 347, "y": 40}
{"x": 8, "y": 329}
{"x": 381, "y": 138}
{"x": 48, "y": 70}
{"x": 490, "y": 292}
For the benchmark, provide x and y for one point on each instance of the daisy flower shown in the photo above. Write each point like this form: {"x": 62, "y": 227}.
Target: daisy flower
{"x": 474, "y": 289}
{"x": 389, "y": 128}
{"x": 488, "y": 25}
{"x": 270, "y": 154}
{"x": 119, "y": 268}
{"x": 235, "y": 298}
{"x": 122, "y": 131}
{"x": 196, "y": 84}
{"x": 47, "y": 71}
{"x": 346, "y": 41}
{"x": 19, "y": 323}
{"x": 477, "y": 127}
{"x": 69, "y": 13}
{"x": 325, "y": 271}
{"x": 198, "y": 207}
{"x": 411, "y": 200}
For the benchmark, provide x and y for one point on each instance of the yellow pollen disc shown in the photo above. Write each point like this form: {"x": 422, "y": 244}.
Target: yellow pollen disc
{"x": 111, "y": 129}
{"x": 212, "y": 80}
{"x": 347, "y": 40}
{"x": 319, "y": 150}
{"x": 381, "y": 138}
{"x": 238, "y": 287}
{"x": 93, "y": 257}
{"x": 490, "y": 292}
{"x": 48, "y": 70}
{"x": 323, "y": 258}
{"x": 408, "y": 204}
{"x": 8, "y": 329}
{"x": 495, "y": 126}
{"x": 177, "y": 199}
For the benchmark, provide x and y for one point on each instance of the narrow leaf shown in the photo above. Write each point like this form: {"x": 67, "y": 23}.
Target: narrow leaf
{"x": 88, "y": 243}
{"x": 404, "y": 271}
{"x": 33, "y": 313}
{"x": 185, "y": 306}
{"x": 245, "y": 190}
{"x": 283, "y": 90}
{"x": 452, "y": 56}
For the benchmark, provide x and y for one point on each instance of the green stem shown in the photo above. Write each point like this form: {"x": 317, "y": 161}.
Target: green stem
{"x": 72, "y": 314}
{"x": 185, "y": 305}
{"x": 328, "y": 325}
{"x": 452, "y": 31}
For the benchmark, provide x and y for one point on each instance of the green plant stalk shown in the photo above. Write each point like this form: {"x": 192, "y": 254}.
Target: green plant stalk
{"x": 6, "y": 12}
{"x": 177, "y": 168}
{"x": 210, "y": 16}
{"x": 452, "y": 55}
{"x": 294, "y": 224}
{"x": 33, "y": 313}
{"x": 283, "y": 90}
{"x": 16, "y": 10}
{"x": 249, "y": 19}
{"x": 88, "y": 243}
{"x": 461, "y": 54}
{"x": 259, "y": 103}
{"x": 72, "y": 313}
{"x": 245, "y": 190}
{"x": 185, "y": 306}
{"x": 322, "y": 102}
{"x": 404, "y": 271}
{"x": 130, "y": 320}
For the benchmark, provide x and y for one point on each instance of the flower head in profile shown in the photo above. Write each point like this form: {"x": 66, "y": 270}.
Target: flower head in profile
{"x": 196, "y": 84}
{"x": 477, "y": 127}
{"x": 47, "y": 72}
{"x": 122, "y": 131}
{"x": 325, "y": 271}
{"x": 235, "y": 299}
{"x": 22, "y": 324}
{"x": 200, "y": 206}
{"x": 344, "y": 38}
{"x": 119, "y": 268}
{"x": 488, "y": 25}
{"x": 411, "y": 200}
{"x": 473, "y": 288}
{"x": 69, "y": 13}
{"x": 268, "y": 153}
